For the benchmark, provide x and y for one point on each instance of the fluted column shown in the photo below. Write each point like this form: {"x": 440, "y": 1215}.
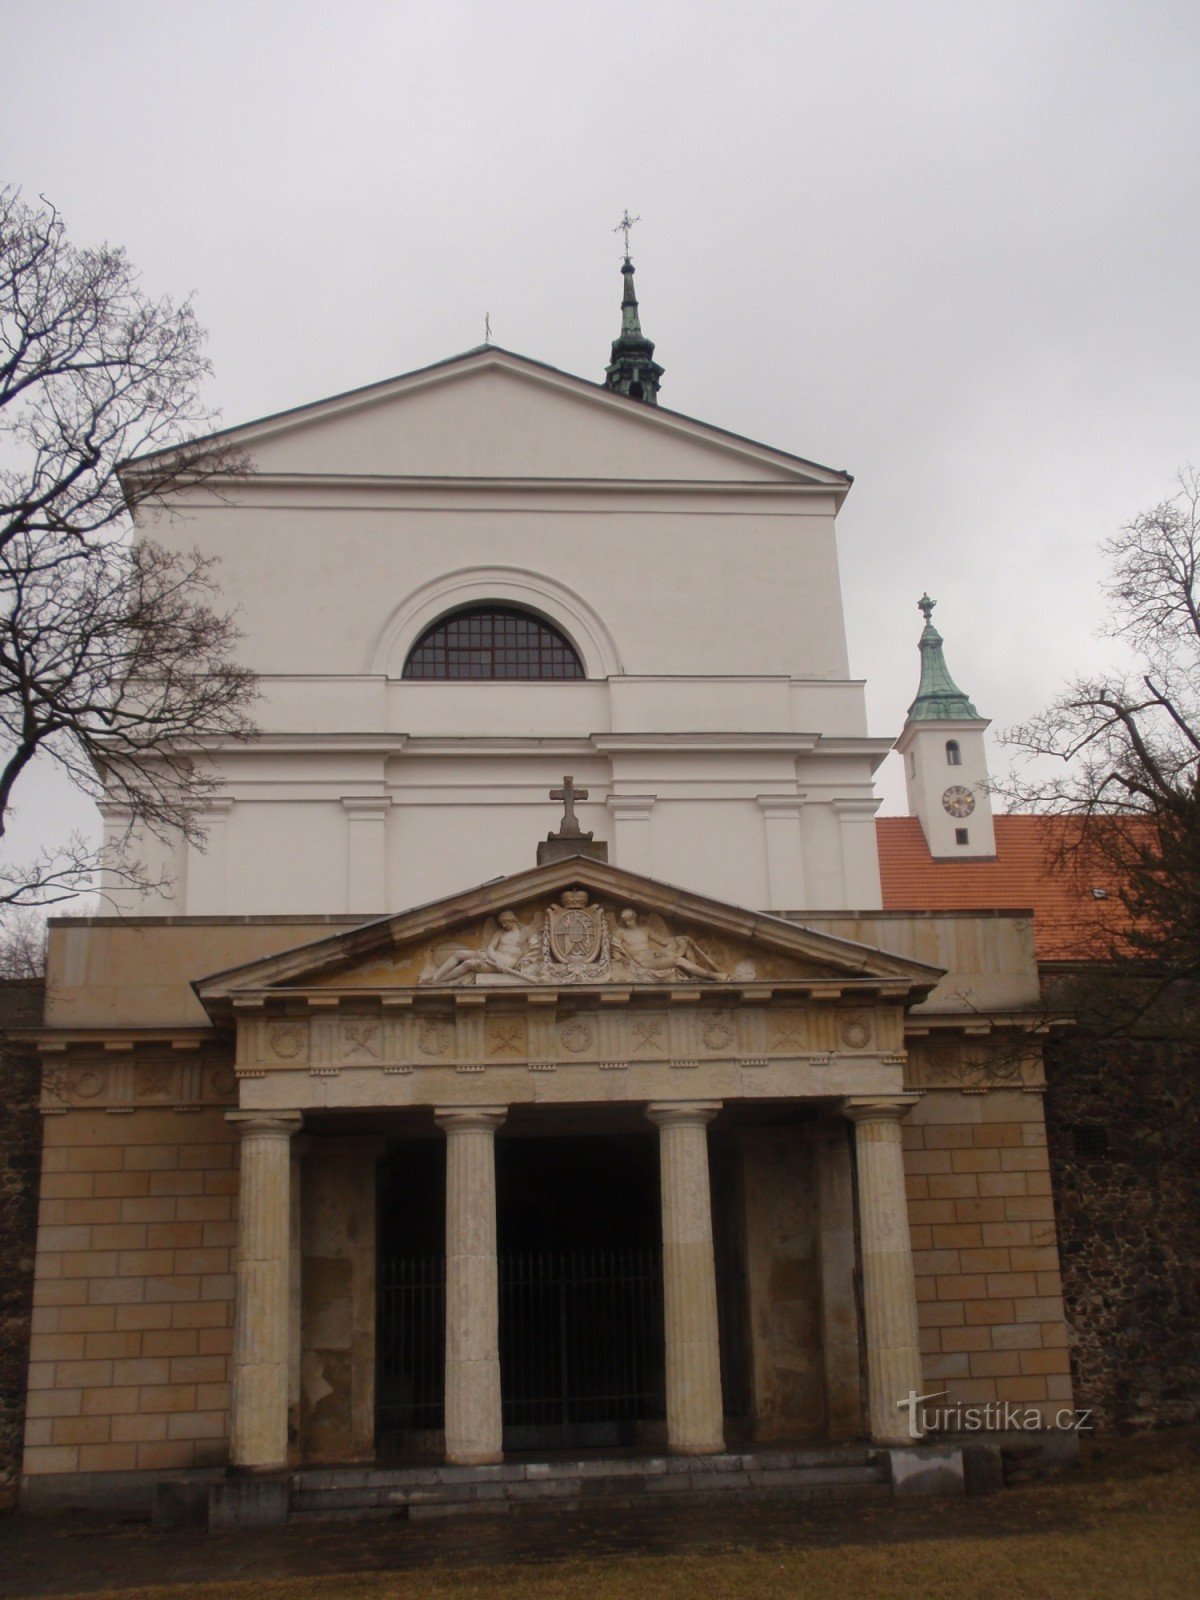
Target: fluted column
{"x": 695, "y": 1414}
{"x": 473, "y": 1415}
{"x": 889, "y": 1288}
{"x": 259, "y": 1413}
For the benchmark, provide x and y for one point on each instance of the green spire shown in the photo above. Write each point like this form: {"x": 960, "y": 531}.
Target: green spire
{"x": 633, "y": 369}
{"x": 938, "y": 698}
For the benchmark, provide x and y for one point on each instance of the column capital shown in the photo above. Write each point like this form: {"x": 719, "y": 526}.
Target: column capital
{"x": 782, "y": 805}
{"x": 856, "y": 808}
{"x": 631, "y": 805}
{"x": 455, "y": 1119}
{"x": 878, "y": 1107}
{"x": 283, "y": 1124}
{"x": 682, "y": 1113}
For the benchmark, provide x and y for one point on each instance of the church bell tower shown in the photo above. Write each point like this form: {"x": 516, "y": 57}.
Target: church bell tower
{"x": 633, "y": 369}
{"x": 945, "y": 764}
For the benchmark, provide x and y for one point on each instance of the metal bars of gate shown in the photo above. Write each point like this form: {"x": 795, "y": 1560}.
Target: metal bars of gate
{"x": 581, "y": 1344}
{"x": 581, "y": 1341}
{"x": 411, "y": 1378}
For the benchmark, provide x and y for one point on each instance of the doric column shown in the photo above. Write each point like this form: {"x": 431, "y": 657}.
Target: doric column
{"x": 695, "y": 1415}
{"x": 473, "y": 1415}
{"x": 295, "y": 1285}
{"x": 259, "y": 1418}
{"x": 889, "y": 1288}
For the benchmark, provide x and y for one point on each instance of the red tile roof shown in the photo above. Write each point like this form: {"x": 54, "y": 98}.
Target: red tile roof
{"x": 1023, "y": 876}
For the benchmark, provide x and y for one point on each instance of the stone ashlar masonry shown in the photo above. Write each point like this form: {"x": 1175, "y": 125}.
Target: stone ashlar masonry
{"x": 1124, "y": 1126}
{"x": 20, "y": 1160}
{"x": 981, "y": 1220}
{"x": 133, "y": 1301}
{"x": 134, "y": 1296}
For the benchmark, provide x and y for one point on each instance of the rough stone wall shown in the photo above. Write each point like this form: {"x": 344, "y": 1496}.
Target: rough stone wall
{"x": 20, "y": 1153}
{"x": 133, "y": 1297}
{"x": 981, "y": 1218}
{"x": 1124, "y": 1130}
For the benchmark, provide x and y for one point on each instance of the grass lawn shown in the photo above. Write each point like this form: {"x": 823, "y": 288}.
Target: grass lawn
{"x": 1127, "y": 1525}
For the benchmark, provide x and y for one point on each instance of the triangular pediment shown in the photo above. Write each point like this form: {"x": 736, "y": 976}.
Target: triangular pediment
{"x": 575, "y": 925}
{"x": 490, "y": 414}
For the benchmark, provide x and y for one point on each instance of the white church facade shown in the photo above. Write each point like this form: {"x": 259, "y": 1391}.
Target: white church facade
{"x": 389, "y": 1135}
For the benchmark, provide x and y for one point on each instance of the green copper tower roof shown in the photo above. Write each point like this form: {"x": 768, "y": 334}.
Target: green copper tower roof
{"x": 939, "y": 698}
{"x": 633, "y": 369}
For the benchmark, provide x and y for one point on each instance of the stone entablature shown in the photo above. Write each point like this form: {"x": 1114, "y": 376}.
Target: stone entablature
{"x": 121, "y": 1074}
{"x": 547, "y": 1030}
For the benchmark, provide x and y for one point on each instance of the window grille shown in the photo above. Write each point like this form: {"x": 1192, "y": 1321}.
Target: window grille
{"x": 492, "y": 642}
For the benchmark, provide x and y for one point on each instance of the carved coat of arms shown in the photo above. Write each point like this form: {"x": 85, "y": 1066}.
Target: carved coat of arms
{"x": 576, "y": 929}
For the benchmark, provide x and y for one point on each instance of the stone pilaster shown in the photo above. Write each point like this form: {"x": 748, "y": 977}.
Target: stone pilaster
{"x": 785, "y": 849}
{"x": 473, "y": 1415}
{"x": 695, "y": 1416}
{"x": 889, "y": 1288}
{"x": 259, "y": 1412}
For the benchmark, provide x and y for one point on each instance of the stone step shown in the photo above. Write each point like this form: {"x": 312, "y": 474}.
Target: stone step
{"x": 443, "y": 1491}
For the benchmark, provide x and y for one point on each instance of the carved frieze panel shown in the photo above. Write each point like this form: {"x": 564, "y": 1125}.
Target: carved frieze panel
{"x": 1007, "y": 1060}
{"x": 130, "y": 1080}
{"x": 504, "y": 1031}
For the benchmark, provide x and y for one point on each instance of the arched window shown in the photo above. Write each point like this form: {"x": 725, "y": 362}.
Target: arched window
{"x": 953, "y": 753}
{"x": 492, "y": 642}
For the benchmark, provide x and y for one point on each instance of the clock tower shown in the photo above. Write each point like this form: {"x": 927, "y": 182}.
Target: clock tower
{"x": 945, "y": 765}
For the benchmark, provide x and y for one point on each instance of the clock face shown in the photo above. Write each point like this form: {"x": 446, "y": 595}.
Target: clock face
{"x": 959, "y": 802}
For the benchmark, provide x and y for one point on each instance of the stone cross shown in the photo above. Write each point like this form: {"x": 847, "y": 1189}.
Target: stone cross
{"x": 568, "y": 794}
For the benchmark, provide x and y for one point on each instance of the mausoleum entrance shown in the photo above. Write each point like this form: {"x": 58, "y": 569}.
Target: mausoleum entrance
{"x": 579, "y": 1267}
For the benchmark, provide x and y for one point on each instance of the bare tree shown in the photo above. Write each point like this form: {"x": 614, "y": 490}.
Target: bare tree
{"x": 22, "y": 944}
{"x": 1127, "y": 776}
{"x": 115, "y": 658}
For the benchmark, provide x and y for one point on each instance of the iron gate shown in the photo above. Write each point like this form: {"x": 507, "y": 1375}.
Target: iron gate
{"x": 581, "y": 1346}
{"x": 411, "y": 1334}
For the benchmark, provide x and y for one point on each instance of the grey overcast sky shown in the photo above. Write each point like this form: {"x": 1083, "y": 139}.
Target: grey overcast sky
{"x": 951, "y": 247}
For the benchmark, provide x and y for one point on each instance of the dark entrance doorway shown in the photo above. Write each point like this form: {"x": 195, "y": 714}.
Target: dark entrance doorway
{"x": 581, "y": 1334}
{"x": 581, "y": 1298}
{"x": 410, "y": 1319}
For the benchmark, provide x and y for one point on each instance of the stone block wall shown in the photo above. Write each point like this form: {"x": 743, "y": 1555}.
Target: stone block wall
{"x": 20, "y": 1153}
{"x": 1124, "y": 1126}
{"x": 133, "y": 1296}
{"x": 981, "y": 1218}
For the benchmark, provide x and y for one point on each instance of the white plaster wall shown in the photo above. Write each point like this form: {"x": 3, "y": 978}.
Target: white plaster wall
{"x": 697, "y": 576}
{"x": 684, "y": 589}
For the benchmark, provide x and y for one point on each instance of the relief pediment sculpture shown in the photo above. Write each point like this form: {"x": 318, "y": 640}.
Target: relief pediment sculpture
{"x": 573, "y": 941}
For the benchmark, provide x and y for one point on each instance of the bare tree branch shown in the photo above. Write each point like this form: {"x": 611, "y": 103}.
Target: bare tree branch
{"x": 116, "y": 660}
{"x": 1128, "y": 774}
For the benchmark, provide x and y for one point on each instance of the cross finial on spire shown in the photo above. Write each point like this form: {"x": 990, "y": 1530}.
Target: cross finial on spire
{"x": 925, "y": 605}
{"x": 624, "y": 226}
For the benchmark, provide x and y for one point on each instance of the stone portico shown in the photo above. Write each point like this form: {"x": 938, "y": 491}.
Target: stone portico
{"x": 613, "y": 993}
{"x": 574, "y": 1002}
